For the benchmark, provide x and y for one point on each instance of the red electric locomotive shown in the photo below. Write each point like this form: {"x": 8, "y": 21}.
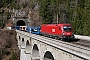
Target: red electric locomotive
{"x": 62, "y": 31}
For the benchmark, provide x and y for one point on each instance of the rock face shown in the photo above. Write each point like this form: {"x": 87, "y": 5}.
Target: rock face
{"x": 8, "y": 45}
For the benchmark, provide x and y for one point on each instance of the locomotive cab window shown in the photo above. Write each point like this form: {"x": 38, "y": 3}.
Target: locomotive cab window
{"x": 67, "y": 28}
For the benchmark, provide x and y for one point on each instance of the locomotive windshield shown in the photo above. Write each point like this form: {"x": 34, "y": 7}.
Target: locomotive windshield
{"x": 67, "y": 28}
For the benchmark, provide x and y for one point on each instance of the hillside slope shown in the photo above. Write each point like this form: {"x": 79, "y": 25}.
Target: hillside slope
{"x": 8, "y": 45}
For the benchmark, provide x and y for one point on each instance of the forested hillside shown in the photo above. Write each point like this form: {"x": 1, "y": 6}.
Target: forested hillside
{"x": 75, "y": 12}
{"x": 5, "y": 7}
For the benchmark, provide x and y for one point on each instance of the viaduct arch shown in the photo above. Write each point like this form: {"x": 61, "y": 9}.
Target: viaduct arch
{"x": 48, "y": 56}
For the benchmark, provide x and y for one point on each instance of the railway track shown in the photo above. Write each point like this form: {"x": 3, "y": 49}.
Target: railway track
{"x": 84, "y": 43}
{"x": 78, "y": 43}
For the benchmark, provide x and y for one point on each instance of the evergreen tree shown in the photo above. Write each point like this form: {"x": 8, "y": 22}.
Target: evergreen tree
{"x": 45, "y": 13}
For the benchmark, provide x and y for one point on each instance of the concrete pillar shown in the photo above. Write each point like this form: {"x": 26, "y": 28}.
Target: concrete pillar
{"x": 22, "y": 54}
{"x": 19, "y": 44}
{"x": 28, "y": 56}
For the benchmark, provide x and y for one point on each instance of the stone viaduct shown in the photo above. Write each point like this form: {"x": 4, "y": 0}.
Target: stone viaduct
{"x": 36, "y": 47}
